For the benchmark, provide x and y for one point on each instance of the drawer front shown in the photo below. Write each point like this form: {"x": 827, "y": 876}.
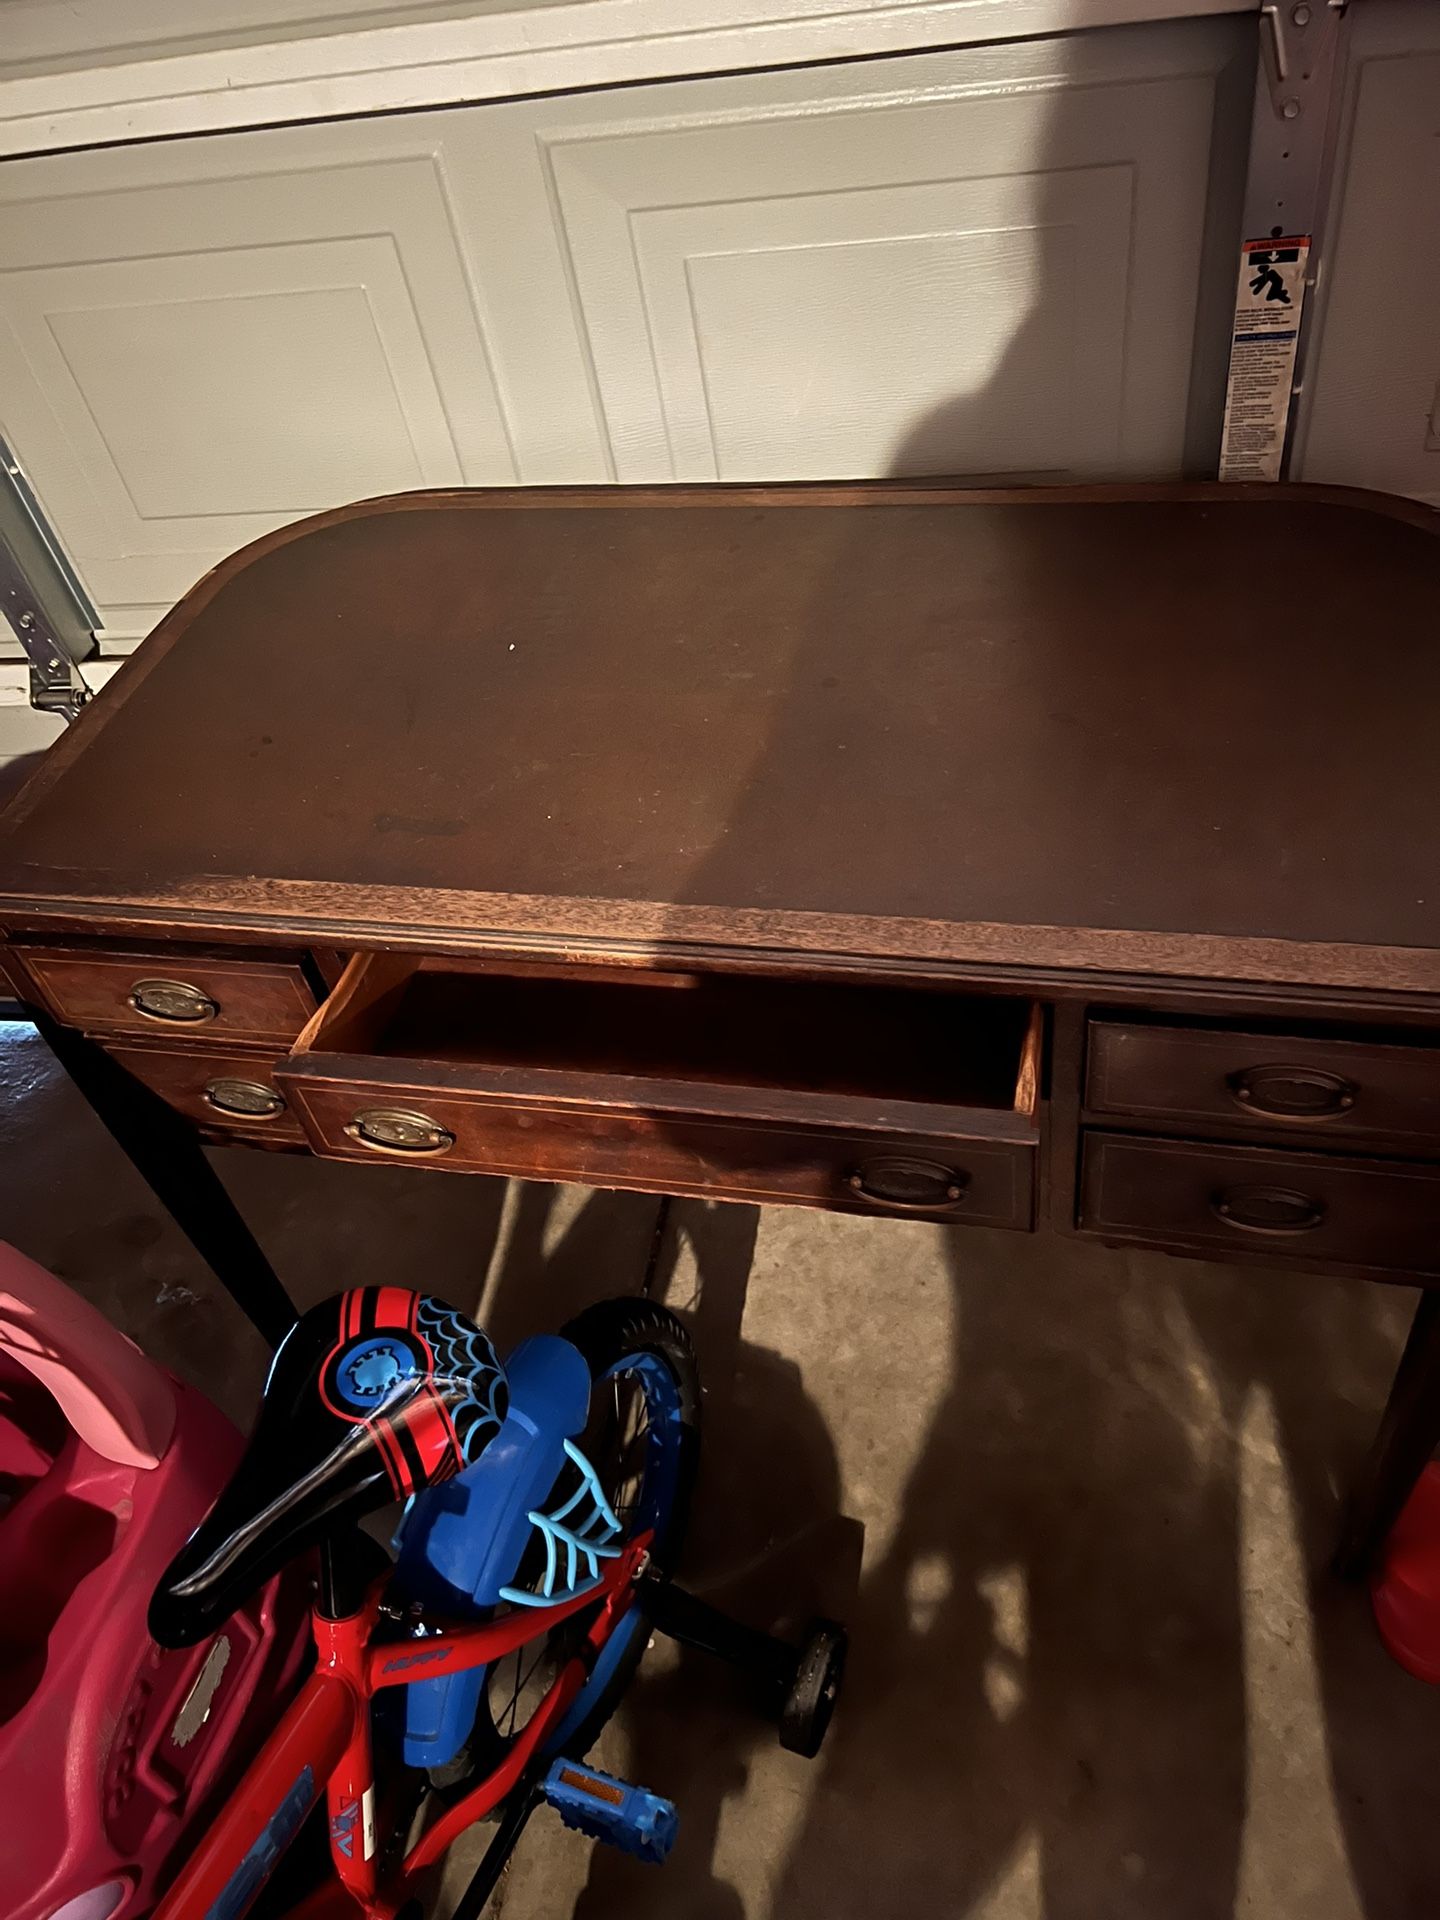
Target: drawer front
{"x": 1311, "y": 1087}
{"x": 226, "y": 1091}
{"x": 1368, "y": 1213}
{"x": 155, "y": 994}
{"x": 985, "y": 1182}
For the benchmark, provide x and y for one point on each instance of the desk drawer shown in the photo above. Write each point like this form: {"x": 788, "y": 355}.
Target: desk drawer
{"x": 585, "y": 1136}
{"x": 735, "y": 1088}
{"x": 1367, "y": 1213}
{"x": 1279, "y": 1082}
{"x": 229, "y": 1091}
{"x": 154, "y": 993}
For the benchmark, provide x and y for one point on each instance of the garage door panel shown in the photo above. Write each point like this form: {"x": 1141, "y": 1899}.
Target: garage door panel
{"x": 988, "y": 261}
{"x": 234, "y": 353}
{"x": 994, "y": 274}
{"x": 1371, "y": 408}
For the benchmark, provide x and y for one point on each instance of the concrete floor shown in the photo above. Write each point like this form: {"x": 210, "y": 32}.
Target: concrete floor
{"x": 1074, "y": 1504}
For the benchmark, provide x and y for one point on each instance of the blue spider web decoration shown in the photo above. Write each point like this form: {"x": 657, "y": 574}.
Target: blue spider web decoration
{"x": 467, "y": 1372}
{"x": 584, "y": 1530}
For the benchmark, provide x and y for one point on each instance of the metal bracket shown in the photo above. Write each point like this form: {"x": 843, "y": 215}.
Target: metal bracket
{"x": 1293, "y": 135}
{"x": 56, "y": 683}
{"x": 42, "y": 597}
{"x": 1290, "y": 135}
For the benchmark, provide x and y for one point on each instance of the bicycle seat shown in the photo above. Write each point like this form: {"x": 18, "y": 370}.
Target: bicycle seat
{"x": 373, "y": 1395}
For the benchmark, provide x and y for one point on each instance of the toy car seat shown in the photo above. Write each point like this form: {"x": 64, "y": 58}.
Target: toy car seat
{"x": 111, "y": 1749}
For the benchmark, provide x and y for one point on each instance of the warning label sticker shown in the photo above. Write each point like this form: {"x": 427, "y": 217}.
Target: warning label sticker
{"x": 1268, "y": 299}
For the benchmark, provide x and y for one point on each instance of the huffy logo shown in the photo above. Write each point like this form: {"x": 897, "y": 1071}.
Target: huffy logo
{"x": 420, "y": 1659}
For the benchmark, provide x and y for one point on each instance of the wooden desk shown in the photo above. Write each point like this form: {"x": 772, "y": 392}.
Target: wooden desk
{"x": 1009, "y": 858}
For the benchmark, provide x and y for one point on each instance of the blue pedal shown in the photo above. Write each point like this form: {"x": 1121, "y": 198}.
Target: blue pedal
{"x": 631, "y": 1818}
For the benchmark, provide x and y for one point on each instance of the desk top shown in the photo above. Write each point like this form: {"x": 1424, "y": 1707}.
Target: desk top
{"x": 1188, "y": 732}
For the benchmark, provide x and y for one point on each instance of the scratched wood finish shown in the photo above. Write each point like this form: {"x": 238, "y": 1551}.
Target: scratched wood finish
{"x": 1064, "y": 727}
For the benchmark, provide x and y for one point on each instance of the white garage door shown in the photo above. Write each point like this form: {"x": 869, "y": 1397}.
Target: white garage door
{"x": 1373, "y": 413}
{"x": 991, "y": 262}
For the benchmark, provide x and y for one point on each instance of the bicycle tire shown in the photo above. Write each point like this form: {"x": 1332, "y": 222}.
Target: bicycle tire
{"x": 608, "y": 1334}
{"x": 618, "y": 1339}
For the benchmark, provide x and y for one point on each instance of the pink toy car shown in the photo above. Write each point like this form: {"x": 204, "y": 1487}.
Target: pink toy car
{"x": 112, "y": 1751}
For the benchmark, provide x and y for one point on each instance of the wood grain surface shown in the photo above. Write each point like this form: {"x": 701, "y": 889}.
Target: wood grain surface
{"x": 182, "y": 1074}
{"x": 1311, "y": 1088}
{"x": 254, "y": 999}
{"x": 1175, "y": 731}
{"x": 1228, "y": 1199}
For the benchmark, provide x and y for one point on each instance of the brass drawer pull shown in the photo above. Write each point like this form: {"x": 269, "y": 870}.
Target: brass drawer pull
{"x": 399, "y": 1130}
{"x": 1269, "y": 1210}
{"x": 173, "y": 1000}
{"x": 244, "y": 1099}
{"x": 910, "y": 1186}
{"x": 1292, "y": 1093}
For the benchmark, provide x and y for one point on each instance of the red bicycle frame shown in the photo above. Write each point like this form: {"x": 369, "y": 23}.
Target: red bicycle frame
{"x": 324, "y": 1738}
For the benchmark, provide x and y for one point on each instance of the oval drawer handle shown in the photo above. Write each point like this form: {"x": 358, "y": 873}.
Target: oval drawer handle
{"x": 1292, "y": 1093}
{"x": 173, "y": 1000}
{"x": 243, "y": 1099}
{"x": 910, "y": 1186}
{"x": 1272, "y": 1210}
{"x": 399, "y": 1130}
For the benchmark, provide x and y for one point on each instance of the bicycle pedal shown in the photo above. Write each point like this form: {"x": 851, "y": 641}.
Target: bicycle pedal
{"x": 631, "y": 1818}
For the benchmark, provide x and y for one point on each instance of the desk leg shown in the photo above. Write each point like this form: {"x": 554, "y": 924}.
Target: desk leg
{"x": 1408, "y": 1435}
{"x": 166, "y": 1152}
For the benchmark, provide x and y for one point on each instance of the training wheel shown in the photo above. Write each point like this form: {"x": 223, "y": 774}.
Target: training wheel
{"x": 810, "y": 1702}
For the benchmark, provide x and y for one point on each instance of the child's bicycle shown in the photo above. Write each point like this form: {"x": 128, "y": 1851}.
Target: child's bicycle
{"x": 546, "y": 1503}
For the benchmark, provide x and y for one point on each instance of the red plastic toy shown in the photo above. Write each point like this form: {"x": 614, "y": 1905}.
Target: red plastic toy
{"x": 112, "y": 1751}
{"x": 1405, "y": 1591}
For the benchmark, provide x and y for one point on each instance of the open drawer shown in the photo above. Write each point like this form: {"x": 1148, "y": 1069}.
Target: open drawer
{"x": 886, "y": 1099}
